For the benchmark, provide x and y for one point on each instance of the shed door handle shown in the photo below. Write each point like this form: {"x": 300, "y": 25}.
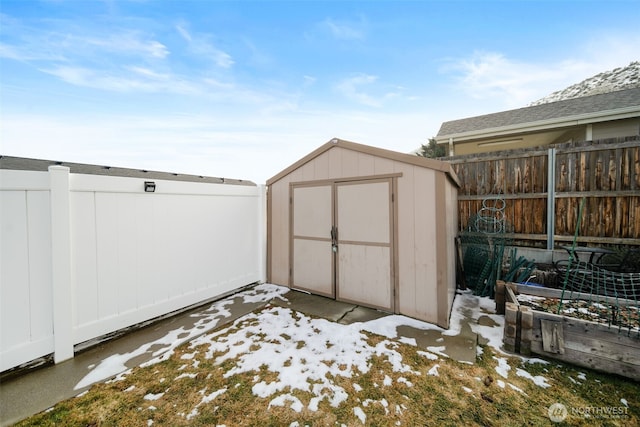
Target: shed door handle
{"x": 334, "y": 238}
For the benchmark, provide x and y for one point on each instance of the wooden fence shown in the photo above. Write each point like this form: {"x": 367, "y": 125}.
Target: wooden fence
{"x": 606, "y": 173}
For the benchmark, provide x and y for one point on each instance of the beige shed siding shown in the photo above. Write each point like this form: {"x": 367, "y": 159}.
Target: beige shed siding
{"x": 278, "y": 253}
{"x": 424, "y": 247}
{"x": 417, "y": 245}
{"x": 452, "y": 225}
{"x": 446, "y": 268}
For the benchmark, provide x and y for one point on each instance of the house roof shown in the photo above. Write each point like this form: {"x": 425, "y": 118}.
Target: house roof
{"x": 588, "y": 109}
{"x": 415, "y": 160}
{"x": 21, "y": 163}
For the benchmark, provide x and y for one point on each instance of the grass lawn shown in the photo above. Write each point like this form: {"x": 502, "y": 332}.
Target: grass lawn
{"x": 278, "y": 367}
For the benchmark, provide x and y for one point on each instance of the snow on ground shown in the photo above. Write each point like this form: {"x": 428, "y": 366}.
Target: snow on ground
{"x": 358, "y": 412}
{"x": 151, "y": 396}
{"x": 208, "y": 320}
{"x": 306, "y": 353}
{"x": 503, "y": 367}
{"x": 537, "y": 380}
{"x": 434, "y": 370}
{"x": 387, "y": 326}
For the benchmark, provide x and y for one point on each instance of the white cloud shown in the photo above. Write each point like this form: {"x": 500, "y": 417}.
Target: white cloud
{"x": 184, "y": 33}
{"x": 359, "y": 88}
{"x": 127, "y": 79}
{"x": 494, "y": 75}
{"x": 148, "y": 73}
{"x": 606, "y": 51}
{"x": 28, "y": 53}
{"x": 201, "y": 46}
{"x": 126, "y": 42}
{"x": 78, "y": 46}
{"x": 344, "y": 30}
{"x": 352, "y": 88}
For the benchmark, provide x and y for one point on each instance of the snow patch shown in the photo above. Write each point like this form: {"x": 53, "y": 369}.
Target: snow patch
{"x": 387, "y": 381}
{"x": 358, "y": 412}
{"x": 537, "y": 380}
{"x": 151, "y": 396}
{"x": 434, "y": 370}
{"x": 205, "y": 399}
{"x": 428, "y": 355}
{"x": 387, "y": 326}
{"x": 186, "y": 375}
{"x": 403, "y": 380}
{"x": 282, "y": 400}
{"x": 518, "y": 389}
{"x": 503, "y": 367}
{"x": 439, "y": 350}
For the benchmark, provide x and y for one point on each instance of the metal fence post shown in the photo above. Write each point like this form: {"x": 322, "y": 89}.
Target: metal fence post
{"x": 551, "y": 197}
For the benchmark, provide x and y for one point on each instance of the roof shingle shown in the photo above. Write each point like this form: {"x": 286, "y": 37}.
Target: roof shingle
{"x": 553, "y": 110}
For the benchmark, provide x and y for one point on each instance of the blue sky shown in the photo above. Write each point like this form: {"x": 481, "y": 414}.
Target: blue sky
{"x": 242, "y": 89}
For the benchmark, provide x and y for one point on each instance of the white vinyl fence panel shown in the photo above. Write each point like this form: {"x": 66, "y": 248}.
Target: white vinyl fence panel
{"x": 26, "y": 316}
{"x": 115, "y": 256}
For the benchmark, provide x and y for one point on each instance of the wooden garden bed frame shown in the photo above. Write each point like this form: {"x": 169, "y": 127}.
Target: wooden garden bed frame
{"x": 569, "y": 339}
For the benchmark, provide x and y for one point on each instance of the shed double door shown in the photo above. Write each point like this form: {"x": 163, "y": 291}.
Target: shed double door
{"x": 342, "y": 241}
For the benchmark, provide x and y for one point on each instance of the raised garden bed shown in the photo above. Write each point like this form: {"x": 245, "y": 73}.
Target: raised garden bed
{"x": 585, "y": 334}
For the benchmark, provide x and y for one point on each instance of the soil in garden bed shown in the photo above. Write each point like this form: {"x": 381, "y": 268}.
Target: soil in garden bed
{"x": 623, "y": 317}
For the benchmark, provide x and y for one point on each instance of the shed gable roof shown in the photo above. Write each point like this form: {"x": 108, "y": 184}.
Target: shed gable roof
{"x": 590, "y": 106}
{"x": 424, "y": 162}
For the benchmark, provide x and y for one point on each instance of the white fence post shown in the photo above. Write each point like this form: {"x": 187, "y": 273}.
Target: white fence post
{"x": 61, "y": 264}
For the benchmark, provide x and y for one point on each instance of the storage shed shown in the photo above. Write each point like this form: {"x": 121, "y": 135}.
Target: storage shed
{"x": 366, "y": 225}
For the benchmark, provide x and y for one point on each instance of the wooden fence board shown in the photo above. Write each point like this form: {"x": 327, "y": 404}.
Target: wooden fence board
{"x": 606, "y": 173}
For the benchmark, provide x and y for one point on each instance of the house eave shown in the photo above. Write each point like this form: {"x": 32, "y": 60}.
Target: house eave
{"x": 548, "y": 124}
